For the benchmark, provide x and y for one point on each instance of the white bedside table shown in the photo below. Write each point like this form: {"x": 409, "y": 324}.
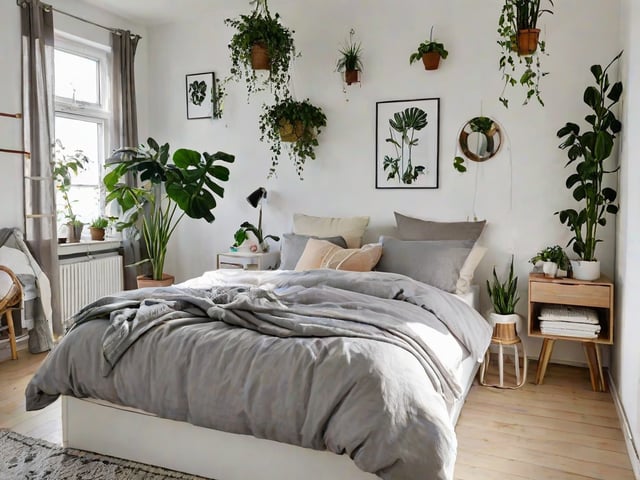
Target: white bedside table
{"x": 249, "y": 260}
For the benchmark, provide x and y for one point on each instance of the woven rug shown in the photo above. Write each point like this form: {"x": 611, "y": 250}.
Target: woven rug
{"x": 26, "y": 458}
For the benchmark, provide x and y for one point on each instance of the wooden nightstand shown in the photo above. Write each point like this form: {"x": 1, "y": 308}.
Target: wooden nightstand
{"x": 597, "y": 295}
{"x": 249, "y": 260}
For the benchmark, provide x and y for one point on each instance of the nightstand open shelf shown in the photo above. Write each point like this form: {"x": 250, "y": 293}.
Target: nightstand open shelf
{"x": 597, "y": 295}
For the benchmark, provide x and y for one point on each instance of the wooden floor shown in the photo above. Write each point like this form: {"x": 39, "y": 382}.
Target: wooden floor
{"x": 557, "y": 431}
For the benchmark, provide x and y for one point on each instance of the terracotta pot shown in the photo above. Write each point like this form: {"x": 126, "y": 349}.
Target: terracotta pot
{"x": 431, "y": 60}
{"x": 351, "y": 76}
{"x": 289, "y": 132}
{"x": 260, "y": 57}
{"x": 528, "y": 41}
{"x": 146, "y": 282}
{"x": 74, "y": 232}
{"x": 97, "y": 233}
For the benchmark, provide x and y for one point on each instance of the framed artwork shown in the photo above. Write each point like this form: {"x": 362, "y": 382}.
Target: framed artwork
{"x": 200, "y": 89}
{"x": 407, "y": 143}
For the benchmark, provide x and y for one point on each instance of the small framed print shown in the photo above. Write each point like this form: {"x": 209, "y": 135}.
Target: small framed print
{"x": 200, "y": 93}
{"x": 407, "y": 143}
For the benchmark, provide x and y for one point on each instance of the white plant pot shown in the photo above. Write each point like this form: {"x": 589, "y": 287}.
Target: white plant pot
{"x": 550, "y": 269}
{"x": 583, "y": 270}
{"x": 496, "y": 318}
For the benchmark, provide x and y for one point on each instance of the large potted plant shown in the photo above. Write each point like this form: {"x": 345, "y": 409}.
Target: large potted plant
{"x": 261, "y": 42}
{"x": 430, "y": 53}
{"x": 350, "y": 61}
{"x": 293, "y": 122}
{"x": 64, "y": 168}
{"x": 504, "y": 298}
{"x": 187, "y": 186}
{"x": 589, "y": 151}
{"x": 520, "y": 37}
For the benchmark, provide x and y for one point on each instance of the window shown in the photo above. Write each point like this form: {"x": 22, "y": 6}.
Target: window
{"x": 81, "y": 122}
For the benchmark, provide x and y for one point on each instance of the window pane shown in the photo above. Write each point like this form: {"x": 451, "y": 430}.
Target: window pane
{"x": 76, "y": 77}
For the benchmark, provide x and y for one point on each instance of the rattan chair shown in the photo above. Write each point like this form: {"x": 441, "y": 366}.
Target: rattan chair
{"x": 10, "y": 299}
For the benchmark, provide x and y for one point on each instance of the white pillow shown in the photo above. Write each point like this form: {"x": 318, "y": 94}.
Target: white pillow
{"x": 463, "y": 285}
{"x": 351, "y": 229}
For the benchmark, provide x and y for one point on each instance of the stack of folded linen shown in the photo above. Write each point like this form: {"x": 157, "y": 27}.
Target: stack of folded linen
{"x": 569, "y": 321}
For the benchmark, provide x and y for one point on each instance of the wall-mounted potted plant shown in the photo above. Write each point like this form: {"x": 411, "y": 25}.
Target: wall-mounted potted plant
{"x": 520, "y": 36}
{"x": 350, "y": 61}
{"x": 554, "y": 261}
{"x": 296, "y": 123}
{"x": 186, "y": 186}
{"x": 504, "y": 298}
{"x": 261, "y": 42}
{"x": 430, "y": 53}
{"x": 97, "y": 228}
{"x": 589, "y": 151}
{"x": 242, "y": 235}
{"x": 64, "y": 168}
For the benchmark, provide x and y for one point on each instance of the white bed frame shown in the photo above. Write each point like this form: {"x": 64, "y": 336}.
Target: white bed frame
{"x": 109, "y": 429}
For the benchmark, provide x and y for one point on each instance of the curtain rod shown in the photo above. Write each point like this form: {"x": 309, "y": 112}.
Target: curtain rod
{"x": 23, "y": 3}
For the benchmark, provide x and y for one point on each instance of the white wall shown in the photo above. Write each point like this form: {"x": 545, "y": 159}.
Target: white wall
{"x": 11, "y": 174}
{"x": 341, "y": 180}
{"x": 626, "y": 357}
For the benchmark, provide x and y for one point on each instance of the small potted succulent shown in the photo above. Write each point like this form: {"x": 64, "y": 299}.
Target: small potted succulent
{"x": 97, "y": 228}
{"x": 261, "y": 42}
{"x": 554, "y": 261}
{"x": 430, "y": 53}
{"x": 293, "y": 122}
{"x": 350, "y": 61}
{"x": 64, "y": 167}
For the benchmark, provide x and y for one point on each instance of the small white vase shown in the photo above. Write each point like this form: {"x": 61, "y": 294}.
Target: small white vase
{"x": 583, "y": 270}
{"x": 550, "y": 269}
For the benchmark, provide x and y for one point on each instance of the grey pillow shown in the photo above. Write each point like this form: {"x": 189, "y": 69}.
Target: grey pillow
{"x": 410, "y": 228}
{"x": 434, "y": 262}
{"x": 293, "y": 245}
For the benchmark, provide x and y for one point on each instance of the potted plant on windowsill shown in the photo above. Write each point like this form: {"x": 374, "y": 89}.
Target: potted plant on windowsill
{"x": 504, "y": 298}
{"x": 187, "y": 186}
{"x": 519, "y": 34}
{"x": 350, "y": 61}
{"x": 589, "y": 151}
{"x": 430, "y": 53}
{"x": 554, "y": 261}
{"x": 97, "y": 228}
{"x": 64, "y": 167}
{"x": 261, "y": 42}
{"x": 293, "y": 122}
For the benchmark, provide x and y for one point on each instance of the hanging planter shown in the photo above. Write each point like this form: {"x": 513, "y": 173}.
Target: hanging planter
{"x": 261, "y": 43}
{"x": 350, "y": 61}
{"x": 521, "y": 47}
{"x": 430, "y": 52}
{"x": 296, "y": 123}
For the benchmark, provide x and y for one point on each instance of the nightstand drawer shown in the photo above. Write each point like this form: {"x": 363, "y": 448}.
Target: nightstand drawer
{"x": 566, "y": 294}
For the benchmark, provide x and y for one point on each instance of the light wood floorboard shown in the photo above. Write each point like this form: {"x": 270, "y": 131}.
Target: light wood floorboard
{"x": 557, "y": 431}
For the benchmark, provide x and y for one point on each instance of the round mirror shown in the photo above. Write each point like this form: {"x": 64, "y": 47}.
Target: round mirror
{"x": 480, "y": 139}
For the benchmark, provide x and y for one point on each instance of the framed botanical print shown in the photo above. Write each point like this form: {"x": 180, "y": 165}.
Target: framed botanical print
{"x": 200, "y": 94}
{"x": 407, "y": 143}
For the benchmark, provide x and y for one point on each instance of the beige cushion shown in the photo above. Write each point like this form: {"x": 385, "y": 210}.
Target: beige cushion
{"x": 323, "y": 254}
{"x": 351, "y": 229}
{"x": 410, "y": 228}
{"x": 463, "y": 285}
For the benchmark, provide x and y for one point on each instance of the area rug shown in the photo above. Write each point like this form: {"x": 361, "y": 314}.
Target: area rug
{"x": 26, "y": 458}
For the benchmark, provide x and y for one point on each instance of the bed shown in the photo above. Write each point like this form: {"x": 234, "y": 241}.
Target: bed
{"x": 271, "y": 375}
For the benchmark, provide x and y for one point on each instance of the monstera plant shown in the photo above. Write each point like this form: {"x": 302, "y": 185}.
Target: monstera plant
{"x": 187, "y": 186}
{"x": 402, "y": 135}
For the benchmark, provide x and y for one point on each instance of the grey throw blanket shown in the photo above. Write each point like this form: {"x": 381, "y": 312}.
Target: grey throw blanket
{"x": 362, "y": 364}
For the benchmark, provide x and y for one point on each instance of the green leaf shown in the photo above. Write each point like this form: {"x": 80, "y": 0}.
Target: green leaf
{"x": 609, "y": 194}
{"x": 604, "y": 146}
{"x": 597, "y": 72}
{"x": 613, "y": 209}
{"x": 184, "y": 158}
{"x": 616, "y": 92}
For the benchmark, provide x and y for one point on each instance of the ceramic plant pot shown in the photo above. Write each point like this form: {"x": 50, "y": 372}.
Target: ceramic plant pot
{"x": 550, "y": 269}
{"x": 431, "y": 60}
{"x": 351, "y": 76}
{"x": 583, "y": 270}
{"x": 505, "y": 327}
{"x": 146, "y": 282}
{"x": 97, "y": 233}
{"x": 260, "y": 57}
{"x": 528, "y": 41}
{"x": 74, "y": 232}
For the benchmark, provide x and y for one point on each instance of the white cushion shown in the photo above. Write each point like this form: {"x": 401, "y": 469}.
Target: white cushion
{"x": 463, "y": 285}
{"x": 351, "y": 229}
{"x": 6, "y": 284}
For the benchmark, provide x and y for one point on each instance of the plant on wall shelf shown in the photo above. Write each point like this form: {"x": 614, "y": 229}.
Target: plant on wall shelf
{"x": 589, "y": 151}
{"x": 293, "y": 122}
{"x": 406, "y": 124}
{"x": 170, "y": 190}
{"x": 521, "y": 47}
{"x": 261, "y": 42}
{"x": 350, "y": 61}
{"x": 430, "y": 53}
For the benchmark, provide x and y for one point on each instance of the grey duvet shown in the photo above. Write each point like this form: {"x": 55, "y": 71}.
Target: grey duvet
{"x": 362, "y": 364}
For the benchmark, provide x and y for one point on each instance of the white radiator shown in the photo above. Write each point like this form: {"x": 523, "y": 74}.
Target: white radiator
{"x": 86, "y": 279}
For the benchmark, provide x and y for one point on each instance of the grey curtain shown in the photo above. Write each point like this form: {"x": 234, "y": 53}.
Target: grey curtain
{"x": 39, "y": 190}
{"x": 125, "y": 129}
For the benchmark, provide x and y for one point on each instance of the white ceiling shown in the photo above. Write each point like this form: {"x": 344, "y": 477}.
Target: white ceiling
{"x": 154, "y": 12}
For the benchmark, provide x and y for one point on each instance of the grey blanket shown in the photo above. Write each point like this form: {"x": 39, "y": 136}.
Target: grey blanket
{"x": 355, "y": 363}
